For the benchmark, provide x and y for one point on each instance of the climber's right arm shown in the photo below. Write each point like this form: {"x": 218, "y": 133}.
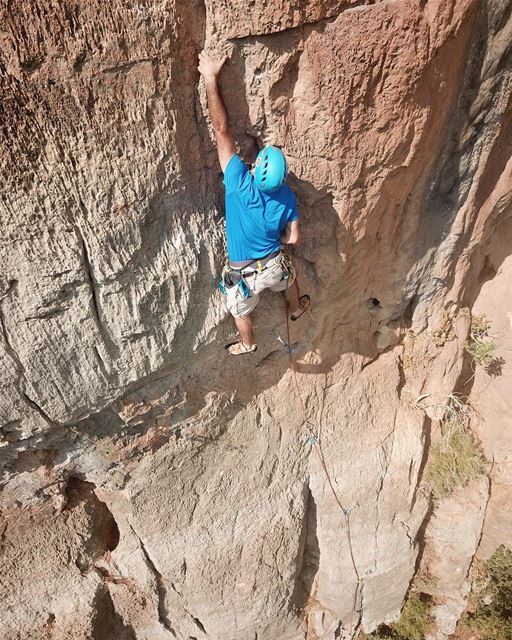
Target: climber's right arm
{"x": 225, "y": 146}
{"x": 210, "y": 70}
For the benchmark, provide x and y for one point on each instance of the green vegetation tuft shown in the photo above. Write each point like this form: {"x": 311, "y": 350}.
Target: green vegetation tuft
{"x": 454, "y": 461}
{"x": 492, "y": 596}
{"x": 413, "y": 622}
{"x": 482, "y": 352}
{"x": 479, "y": 346}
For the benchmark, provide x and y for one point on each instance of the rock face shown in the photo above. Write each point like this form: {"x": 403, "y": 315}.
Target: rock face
{"x": 152, "y": 486}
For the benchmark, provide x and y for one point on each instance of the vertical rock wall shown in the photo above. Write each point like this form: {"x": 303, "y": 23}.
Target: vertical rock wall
{"x": 153, "y": 487}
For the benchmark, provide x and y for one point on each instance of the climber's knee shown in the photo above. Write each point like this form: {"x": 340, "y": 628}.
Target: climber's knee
{"x": 242, "y": 308}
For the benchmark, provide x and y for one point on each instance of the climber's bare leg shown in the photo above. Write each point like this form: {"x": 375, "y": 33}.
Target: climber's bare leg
{"x": 246, "y": 330}
{"x": 292, "y": 298}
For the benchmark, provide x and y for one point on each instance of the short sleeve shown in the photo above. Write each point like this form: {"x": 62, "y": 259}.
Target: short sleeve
{"x": 293, "y": 213}
{"x": 235, "y": 172}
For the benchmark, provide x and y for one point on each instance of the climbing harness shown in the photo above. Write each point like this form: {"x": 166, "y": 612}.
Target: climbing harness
{"x": 314, "y": 441}
{"x": 233, "y": 284}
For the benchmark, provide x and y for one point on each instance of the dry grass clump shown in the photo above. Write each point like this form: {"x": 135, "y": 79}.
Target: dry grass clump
{"x": 455, "y": 460}
{"x": 413, "y": 622}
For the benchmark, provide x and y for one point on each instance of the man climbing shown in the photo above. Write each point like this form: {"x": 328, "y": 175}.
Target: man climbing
{"x": 261, "y": 214}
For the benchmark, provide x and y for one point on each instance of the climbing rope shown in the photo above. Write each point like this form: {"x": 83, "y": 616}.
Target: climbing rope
{"x": 315, "y": 443}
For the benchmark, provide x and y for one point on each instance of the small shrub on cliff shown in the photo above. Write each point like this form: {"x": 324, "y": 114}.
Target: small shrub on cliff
{"x": 481, "y": 352}
{"x": 479, "y": 345}
{"x": 491, "y": 618}
{"x": 479, "y": 326}
{"x": 413, "y": 622}
{"x": 455, "y": 460}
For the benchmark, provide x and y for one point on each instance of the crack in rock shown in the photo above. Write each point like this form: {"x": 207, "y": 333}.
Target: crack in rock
{"x": 160, "y": 587}
{"x": 325, "y": 19}
{"x": 95, "y": 297}
{"x": 21, "y": 380}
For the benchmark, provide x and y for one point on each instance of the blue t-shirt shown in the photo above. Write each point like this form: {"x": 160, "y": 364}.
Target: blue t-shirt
{"x": 254, "y": 219}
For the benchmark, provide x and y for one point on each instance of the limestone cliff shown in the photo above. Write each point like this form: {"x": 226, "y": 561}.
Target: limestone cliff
{"x": 154, "y": 487}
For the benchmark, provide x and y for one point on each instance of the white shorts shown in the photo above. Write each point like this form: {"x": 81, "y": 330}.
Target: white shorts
{"x": 273, "y": 278}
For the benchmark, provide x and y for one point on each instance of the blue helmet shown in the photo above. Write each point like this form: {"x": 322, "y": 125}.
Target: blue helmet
{"x": 271, "y": 169}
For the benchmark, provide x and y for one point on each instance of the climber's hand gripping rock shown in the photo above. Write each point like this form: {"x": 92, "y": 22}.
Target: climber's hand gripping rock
{"x": 210, "y": 68}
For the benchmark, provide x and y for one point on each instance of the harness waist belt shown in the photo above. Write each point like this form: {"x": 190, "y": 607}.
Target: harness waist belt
{"x": 258, "y": 262}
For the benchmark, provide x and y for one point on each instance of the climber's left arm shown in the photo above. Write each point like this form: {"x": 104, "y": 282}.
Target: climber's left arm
{"x": 291, "y": 233}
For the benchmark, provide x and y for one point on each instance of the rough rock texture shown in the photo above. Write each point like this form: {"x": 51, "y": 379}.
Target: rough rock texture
{"x": 451, "y": 541}
{"x": 155, "y": 488}
{"x": 490, "y": 395}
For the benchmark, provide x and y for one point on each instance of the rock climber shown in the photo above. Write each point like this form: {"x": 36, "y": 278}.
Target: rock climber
{"x": 261, "y": 215}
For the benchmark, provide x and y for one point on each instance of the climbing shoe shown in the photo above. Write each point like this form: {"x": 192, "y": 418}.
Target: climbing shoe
{"x": 238, "y": 348}
{"x": 304, "y": 302}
